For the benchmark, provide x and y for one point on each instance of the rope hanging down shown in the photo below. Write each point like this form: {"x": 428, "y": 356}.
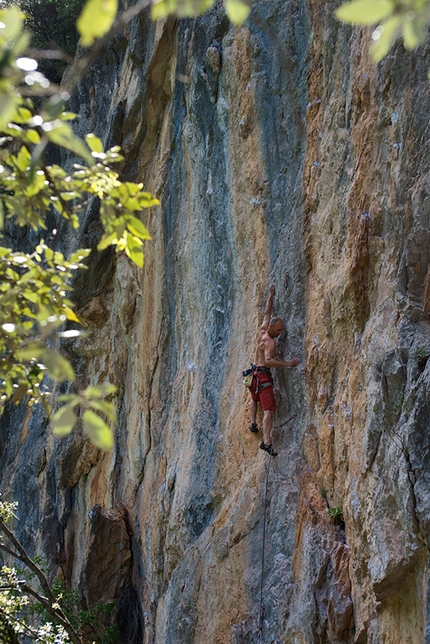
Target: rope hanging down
{"x": 261, "y": 615}
{"x": 261, "y": 609}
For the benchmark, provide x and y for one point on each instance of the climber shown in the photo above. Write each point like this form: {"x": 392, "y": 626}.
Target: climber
{"x": 262, "y": 383}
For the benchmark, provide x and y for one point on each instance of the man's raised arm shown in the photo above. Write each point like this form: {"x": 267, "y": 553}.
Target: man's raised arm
{"x": 268, "y": 309}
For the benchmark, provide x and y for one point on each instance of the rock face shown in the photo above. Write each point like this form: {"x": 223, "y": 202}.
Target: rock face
{"x": 280, "y": 154}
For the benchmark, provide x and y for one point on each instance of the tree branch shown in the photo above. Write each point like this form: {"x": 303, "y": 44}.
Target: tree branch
{"x": 48, "y": 601}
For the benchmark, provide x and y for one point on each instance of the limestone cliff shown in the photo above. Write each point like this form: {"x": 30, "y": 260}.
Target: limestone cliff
{"x": 280, "y": 154}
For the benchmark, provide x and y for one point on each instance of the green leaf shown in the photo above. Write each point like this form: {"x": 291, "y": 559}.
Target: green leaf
{"x": 23, "y": 115}
{"x": 64, "y": 419}
{"x": 384, "y": 37}
{"x": 365, "y": 12}
{"x": 12, "y": 20}
{"x": 138, "y": 228}
{"x": 163, "y": 8}
{"x": 97, "y": 430}
{"x": 31, "y": 297}
{"x": 96, "y": 19}
{"x": 69, "y": 398}
{"x": 33, "y": 136}
{"x": 32, "y": 352}
{"x": 21, "y": 43}
{"x": 23, "y": 159}
{"x": 61, "y": 134}
{"x": 58, "y": 367}
{"x": 99, "y": 391}
{"x": 106, "y": 241}
{"x": 147, "y": 200}
{"x": 414, "y": 33}
{"x": 182, "y": 8}
{"x": 104, "y": 407}
{"x": 79, "y": 255}
{"x": 134, "y": 250}
{"x": 67, "y": 116}
{"x": 8, "y": 103}
{"x": 119, "y": 229}
{"x": 94, "y": 143}
{"x": 237, "y": 11}
{"x": 70, "y": 314}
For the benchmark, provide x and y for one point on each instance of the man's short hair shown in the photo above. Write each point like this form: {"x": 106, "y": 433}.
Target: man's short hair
{"x": 275, "y": 320}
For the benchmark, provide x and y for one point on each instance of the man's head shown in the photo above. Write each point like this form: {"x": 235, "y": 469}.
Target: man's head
{"x": 276, "y": 326}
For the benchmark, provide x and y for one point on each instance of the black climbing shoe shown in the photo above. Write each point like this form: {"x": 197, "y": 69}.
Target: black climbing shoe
{"x": 253, "y": 428}
{"x": 268, "y": 449}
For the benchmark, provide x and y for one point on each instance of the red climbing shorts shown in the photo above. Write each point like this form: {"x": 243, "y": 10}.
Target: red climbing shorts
{"x": 265, "y": 396}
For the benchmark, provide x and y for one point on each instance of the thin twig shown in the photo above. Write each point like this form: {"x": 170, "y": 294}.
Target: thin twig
{"x": 50, "y": 54}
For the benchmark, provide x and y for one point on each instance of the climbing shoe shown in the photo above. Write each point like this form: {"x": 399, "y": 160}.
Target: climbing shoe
{"x": 253, "y": 428}
{"x": 268, "y": 449}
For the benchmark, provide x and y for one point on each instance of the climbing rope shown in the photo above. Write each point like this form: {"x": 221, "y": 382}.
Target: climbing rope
{"x": 261, "y": 609}
{"x": 287, "y": 421}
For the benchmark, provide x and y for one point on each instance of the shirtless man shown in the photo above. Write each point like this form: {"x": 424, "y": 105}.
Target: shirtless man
{"x": 262, "y": 383}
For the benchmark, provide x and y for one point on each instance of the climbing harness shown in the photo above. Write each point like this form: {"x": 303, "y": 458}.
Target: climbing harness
{"x": 262, "y": 385}
{"x": 248, "y": 376}
{"x": 261, "y": 608}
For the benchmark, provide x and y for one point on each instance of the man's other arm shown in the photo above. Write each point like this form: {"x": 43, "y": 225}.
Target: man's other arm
{"x": 270, "y": 361}
{"x": 276, "y": 362}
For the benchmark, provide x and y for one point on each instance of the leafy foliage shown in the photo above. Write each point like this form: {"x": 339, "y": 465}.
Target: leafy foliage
{"x": 94, "y": 625}
{"x": 31, "y": 609}
{"x": 51, "y": 23}
{"x": 90, "y": 401}
{"x": 237, "y": 10}
{"x": 19, "y": 596}
{"x": 52, "y": 26}
{"x": 407, "y": 19}
{"x": 35, "y": 286}
{"x": 96, "y": 19}
{"x": 335, "y": 515}
{"x": 33, "y": 296}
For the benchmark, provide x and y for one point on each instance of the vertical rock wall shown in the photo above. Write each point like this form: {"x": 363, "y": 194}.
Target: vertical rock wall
{"x": 282, "y": 155}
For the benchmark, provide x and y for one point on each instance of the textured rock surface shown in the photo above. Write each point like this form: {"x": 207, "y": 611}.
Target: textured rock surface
{"x": 280, "y": 154}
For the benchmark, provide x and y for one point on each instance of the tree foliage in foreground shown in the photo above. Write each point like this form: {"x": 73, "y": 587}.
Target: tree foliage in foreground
{"x": 35, "y": 285}
{"x": 33, "y": 609}
{"x": 52, "y": 27}
{"x": 406, "y": 19}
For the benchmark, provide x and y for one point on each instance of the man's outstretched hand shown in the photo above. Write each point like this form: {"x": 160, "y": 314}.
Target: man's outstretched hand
{"x": 272, "y": 290}
{"x": 293, "y": 362}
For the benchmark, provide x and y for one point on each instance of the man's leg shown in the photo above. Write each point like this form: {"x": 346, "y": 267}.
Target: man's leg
{"x": 253, "y": 411}
{"x": 267, "y": 426}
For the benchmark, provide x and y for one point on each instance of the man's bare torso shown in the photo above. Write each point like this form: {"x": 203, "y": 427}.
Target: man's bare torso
{"x": 266, "y": 348}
